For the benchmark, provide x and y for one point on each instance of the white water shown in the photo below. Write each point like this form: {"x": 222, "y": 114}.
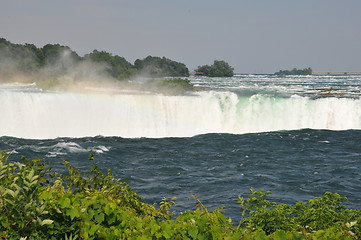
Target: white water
{"x": 43, "y": 115}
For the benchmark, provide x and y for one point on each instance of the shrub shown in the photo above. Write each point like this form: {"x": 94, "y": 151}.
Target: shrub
{"x": 36, "y": 203}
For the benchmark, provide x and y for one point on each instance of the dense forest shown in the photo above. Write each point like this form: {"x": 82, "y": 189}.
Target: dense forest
{"x": 55, "y": 60}
{"x": 28, "y": 59}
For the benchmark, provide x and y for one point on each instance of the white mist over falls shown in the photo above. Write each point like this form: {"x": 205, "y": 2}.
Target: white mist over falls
{"x": 27, "y": 112}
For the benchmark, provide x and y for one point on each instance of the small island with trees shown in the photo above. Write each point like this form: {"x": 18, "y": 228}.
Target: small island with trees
{"x": 295, "y": 71}
{"x": 219, "y": 68}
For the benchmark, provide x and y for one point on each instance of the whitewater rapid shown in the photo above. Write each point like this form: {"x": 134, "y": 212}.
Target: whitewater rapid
{"x": 46, "y": 115}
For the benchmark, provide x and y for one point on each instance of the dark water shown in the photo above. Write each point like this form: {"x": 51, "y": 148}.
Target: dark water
{"x": 295, "y": 165}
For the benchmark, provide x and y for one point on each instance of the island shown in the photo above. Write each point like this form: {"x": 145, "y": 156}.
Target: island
{"x": 295, "y": 71}
{"x": 219, "y": 68}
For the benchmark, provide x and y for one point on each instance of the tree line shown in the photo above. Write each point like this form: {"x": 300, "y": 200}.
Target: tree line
{"x": 27, "y": 58}
{"x": 295, "y": 71}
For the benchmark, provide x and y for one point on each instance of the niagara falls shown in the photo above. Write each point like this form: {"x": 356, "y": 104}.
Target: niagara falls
{"x": 278, "y": 133}
{"x": 157, "y": 120}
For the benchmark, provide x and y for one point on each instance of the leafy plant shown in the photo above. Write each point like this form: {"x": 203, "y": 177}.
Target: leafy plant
{"x": 326, "y": 212}
{"x": 36, "y": 203}
{"x": 21, "y": 210}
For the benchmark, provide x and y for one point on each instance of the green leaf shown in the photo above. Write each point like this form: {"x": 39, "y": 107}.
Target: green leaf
{"x": 111, "y": 219}
{"x": 28, "y": 205}
{"x": 260, "y": 235}
{"x": 93, "y": 229}
{"x": 72, "y": 212}
{"x": 99, "y": 218}
{"x": 167, "y": 231}
{"x": 64, "y": 202}
{"x": 351, "y": 224}
{"x": 46, "y": 222}
{"x": 10, "y": 192}
{"x": 193, "y": 231}
{"x": 31, "y": 174}
{"x": 46, "y": 195}
{"x": 108, "y": 209}
{"x": 280, "y": 235}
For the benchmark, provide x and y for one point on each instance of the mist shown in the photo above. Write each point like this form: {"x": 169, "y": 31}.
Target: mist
{"x": 56, "y": 67}
{"x": 64, "y": 73}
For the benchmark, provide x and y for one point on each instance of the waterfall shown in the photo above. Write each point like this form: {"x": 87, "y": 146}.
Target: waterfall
{"x": 44, "y": 115}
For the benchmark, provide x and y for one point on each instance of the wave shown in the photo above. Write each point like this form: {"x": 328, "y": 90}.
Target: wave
{"x": 45, "y": 115}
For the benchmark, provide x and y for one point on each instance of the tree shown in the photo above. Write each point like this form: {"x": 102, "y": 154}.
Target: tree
{"x": 17, "y": 58}
{"x": 218, "y": 69}
{"x": 27, "y": 58}
{"x": 53, "y": 53}
{"x": 117, "y": 67}
{"x": 161, "y": 67}
{"x": 295, "y": 71}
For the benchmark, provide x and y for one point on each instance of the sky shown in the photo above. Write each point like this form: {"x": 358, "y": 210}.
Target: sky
{"x": 253, "y": 36}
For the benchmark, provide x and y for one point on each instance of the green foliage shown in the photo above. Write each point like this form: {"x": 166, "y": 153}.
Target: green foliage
{"x": 52, "y": 54}
{"x": 218, "y": 69}
{"x": 36, "y": 203}
{"x": 161, "y": 67}
{"x": 322, "y": 213}
{"x": 21, "y": 57}
{"x": 116, "y": 67}
{"x": 295, "y": 71}
{"x": 21, "y": 210}
{"x": 27, "y": 58}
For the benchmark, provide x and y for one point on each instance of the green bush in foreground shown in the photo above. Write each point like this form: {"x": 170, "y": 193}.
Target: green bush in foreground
{"x": 36, "y": 203}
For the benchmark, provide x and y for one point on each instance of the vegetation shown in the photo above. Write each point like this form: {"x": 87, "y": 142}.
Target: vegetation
{"x": 295, "y": 71}
{"x": 172, "y": 86}
{"x": 23, "y": 55}
{"x": 36, "y": 203}
{"x": 27, "y": 58}
{"x": 116, "y": 67}
{"x": 218, "y": 69}
{"x": 161, "y": 67}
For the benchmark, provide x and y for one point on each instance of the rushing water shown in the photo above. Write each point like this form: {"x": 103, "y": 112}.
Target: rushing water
{"x": 296, "y": 136}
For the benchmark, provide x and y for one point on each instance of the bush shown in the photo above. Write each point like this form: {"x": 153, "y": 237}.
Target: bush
{"x": 36, "y": 203}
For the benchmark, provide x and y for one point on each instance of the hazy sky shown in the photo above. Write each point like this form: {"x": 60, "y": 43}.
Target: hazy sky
{"x": 253, "y": 36}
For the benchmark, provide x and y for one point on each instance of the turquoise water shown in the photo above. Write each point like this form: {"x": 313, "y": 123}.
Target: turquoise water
{"x": 297, "y": 137}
